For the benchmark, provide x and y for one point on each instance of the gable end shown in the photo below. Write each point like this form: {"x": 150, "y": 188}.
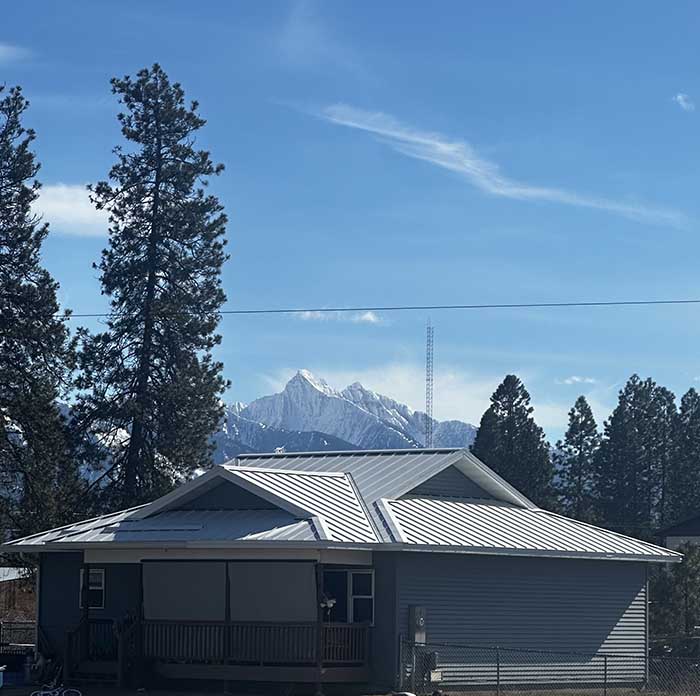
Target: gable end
{"x": 226, "y": 496}
{"x": 449, "y": 483}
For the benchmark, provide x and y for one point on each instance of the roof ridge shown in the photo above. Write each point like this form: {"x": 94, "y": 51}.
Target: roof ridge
{"x": 347, "y": 453}
{"x": 262, "y": 469}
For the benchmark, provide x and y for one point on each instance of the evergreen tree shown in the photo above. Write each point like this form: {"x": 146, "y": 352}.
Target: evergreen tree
{"x": 684, "y": 479}
{"x": 149, "y": 384}
{"x": 575, "y": 463}
{"x": 39, "y": 484}
{"x": 675, "y": 595}
{"x": 636, "y": 458}
{"x": 512, "y": 444}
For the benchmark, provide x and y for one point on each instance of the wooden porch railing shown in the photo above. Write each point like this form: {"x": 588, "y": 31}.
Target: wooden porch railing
{"x": 255, "y": 643}
{"x": 251, "y": 645}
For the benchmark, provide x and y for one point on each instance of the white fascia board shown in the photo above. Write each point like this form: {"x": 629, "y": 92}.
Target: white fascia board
{"x": 391, "y": 521}
{"x": 474, "y": 469}
{"x": 320, "y": 525}
{"x": 422, "y": 478}
{"x": 162, "y": 503}
{"x": 224, "y": 474}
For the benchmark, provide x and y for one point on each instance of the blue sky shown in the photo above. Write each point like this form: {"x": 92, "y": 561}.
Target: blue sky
{"x": 406, "y": 153}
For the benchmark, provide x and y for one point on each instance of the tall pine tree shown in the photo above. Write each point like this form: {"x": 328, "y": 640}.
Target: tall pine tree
{"x": 635, "y": 459}
{"x": 512, "y": 444}
{"x": 39, "y": 483}
{"x": 149, "y": 383}
{"x": 683, "y": 483}
{"x": 575, "y": 463}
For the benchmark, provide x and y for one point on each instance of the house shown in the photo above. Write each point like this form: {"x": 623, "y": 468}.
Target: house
{"x": 685, "y": 532}
{"x": 332, "y": 568}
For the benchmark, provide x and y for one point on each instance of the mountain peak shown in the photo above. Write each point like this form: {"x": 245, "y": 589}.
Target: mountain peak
{"x": 305, "y": 377}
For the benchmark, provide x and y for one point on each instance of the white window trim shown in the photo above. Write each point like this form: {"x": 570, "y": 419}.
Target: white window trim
{"x": 101, "y": 572}
{"x": 351, "y": 596}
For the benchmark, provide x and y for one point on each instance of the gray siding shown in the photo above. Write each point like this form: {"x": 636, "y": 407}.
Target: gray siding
{"x": 536, "y": 603}
{"x": 385, "y": 637}
{"x": 59, "y": 593}
{"x": 450, "y": 482}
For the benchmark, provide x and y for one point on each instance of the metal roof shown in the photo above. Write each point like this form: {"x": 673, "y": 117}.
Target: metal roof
{"x": 329, "y": 495}
{"x": 494, "y": 527}
{"x": 355, "y": 498}
{"x": 59, "y": 533}
{"x": 377, "y": 473}
{"x": 198, "y": 525}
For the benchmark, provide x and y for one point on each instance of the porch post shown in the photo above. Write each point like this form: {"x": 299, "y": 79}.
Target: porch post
{"x": 319, "y": 629}
{"x": 84, "y": 637}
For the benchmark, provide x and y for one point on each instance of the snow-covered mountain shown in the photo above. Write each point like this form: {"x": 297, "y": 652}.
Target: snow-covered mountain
{"x": 239, "y": 435}
{"x": 308, "y": 415}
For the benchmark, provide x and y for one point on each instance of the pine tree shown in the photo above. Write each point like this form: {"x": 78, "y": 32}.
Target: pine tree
{"x": 512, "y": 444}
{"x": 575, "y": 463}
{"x": 684, "y": 478}
{"x": 39, "y": 483}
{"x": 149, "y": 383}
{"x": 636, "y": 458}
{"x": 675, "y": 595}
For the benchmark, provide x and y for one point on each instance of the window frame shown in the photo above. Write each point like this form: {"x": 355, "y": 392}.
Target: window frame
{"x": 352, "y": 597}
{"x": 102, "y": 588}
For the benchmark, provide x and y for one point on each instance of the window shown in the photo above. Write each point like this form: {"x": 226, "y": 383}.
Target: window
{"x": 353, "y": 595}
{"x": 362, "y": 596}
{"x": 96, "y": 588}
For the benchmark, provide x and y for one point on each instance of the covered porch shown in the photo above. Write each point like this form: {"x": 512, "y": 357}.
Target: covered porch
{"x": 242, "y": 620}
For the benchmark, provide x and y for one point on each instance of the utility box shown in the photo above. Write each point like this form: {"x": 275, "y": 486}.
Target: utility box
{"x": 416, "y": 624}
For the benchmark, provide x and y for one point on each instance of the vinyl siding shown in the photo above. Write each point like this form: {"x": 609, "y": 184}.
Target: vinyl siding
{"x": 452, "y": 483}
{"x": 385, "y": 637}
{"x": 545, "y": 604}
{"x": 59, "y": 594}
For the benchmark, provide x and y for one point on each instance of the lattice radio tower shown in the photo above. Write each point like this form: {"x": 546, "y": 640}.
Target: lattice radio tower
{"x": 430, "y": 336}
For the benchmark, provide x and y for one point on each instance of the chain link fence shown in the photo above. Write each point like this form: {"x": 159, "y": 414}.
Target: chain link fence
{"x": 427, "y": 668}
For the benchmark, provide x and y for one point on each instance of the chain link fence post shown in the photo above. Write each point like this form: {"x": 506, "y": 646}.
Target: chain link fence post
{"x": 605, "y": 675}
{"x": 413, "y": 668}
{"x": 498, "y": 671}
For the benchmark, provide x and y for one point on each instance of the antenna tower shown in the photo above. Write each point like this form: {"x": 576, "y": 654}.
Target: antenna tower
{"x": 429, "y": 385}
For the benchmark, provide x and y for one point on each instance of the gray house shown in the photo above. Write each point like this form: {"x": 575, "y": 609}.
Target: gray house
{"x": 333, "y": 567}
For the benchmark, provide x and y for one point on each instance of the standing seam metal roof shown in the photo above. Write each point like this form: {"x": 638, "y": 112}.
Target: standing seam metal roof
{"x": 493, "y": 525}
{"x": 330, "y": 495}
{"x": 377, "y": 474}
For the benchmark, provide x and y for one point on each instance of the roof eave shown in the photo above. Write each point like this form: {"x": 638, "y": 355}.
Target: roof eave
{"x": 671, "y": 557}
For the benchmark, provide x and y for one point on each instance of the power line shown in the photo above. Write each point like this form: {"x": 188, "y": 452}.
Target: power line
{"x": 418, "y": 308}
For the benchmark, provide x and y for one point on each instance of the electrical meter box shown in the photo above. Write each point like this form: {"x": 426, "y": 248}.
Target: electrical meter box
{"x": 416, "y": 624}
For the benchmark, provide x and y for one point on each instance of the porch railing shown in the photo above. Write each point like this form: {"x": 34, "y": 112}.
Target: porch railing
{"x": 255, "y": 643}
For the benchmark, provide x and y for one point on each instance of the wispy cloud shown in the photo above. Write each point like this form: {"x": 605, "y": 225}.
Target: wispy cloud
{"x": 576, "y": 379}
{"x": 10, "y": 53}
{"x": 368, "y": 317}
{"x": 306, "y": 40}
{"x": 684, "y": 101}
{"x": 460, "y": 157}
{"x": 67, "y": 209}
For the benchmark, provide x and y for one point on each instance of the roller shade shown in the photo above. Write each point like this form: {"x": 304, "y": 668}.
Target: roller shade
{"x": 184, "y": 591}
{"x": 274, "y": 591}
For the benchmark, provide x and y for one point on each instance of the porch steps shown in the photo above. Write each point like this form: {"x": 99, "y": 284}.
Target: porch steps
{"x": 96, "y": 673}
